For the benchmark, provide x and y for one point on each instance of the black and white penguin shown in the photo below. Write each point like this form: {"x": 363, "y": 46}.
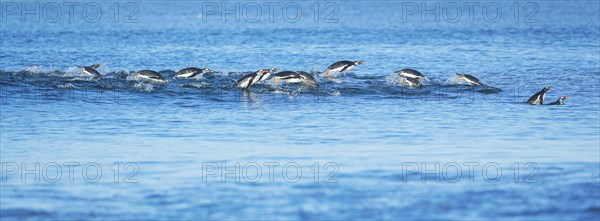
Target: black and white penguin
{"x": 409, "y": 73}
{"x": 91, "y": 70}
{"x": 470, "y": 79}
{"x": 191, "y": 72}
{"x": 306, "y": 77}
{"x": 411, "y": 82}
{"x": 248, "y": 80}
{"x": 340, "y": 66}
{"x": 538, "y": 98}
{"x": 560, "y": 101}
{"x": 149, "y": 75}
{"x": 294, "y": 77}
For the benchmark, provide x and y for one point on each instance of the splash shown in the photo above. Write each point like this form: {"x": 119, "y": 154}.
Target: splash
{"x": 143, "y": 87}
{"x": 64, "y": 86}
{"x": 202, "y": 85}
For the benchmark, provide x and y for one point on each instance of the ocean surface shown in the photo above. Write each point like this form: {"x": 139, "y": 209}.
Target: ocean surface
{"x": 361, "y": 146}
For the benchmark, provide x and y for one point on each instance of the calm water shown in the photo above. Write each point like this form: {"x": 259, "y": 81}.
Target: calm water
{"x": 359, "y": 147}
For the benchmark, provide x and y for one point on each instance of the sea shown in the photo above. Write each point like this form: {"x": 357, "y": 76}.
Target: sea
{"x": 359, "y": 146}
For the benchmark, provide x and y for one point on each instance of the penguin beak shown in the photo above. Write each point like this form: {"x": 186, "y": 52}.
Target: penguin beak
{"x": 565, "y": 97}
{"x": 360, "y": 62}
{"x": 209, "y": 70}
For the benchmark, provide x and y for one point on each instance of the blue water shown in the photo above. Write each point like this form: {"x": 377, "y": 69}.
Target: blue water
{"x": 373, "y": 141}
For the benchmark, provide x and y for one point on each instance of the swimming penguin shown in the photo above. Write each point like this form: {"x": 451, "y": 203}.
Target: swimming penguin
{"x": 191, "y": 72}
{"x": 294, "y": 77}
{"x": 308, "y": 78}
{"x": 560, "y": 101}
{"x": 538, "y": 98}
{"x": 409, "y": 73}
{"x": 411, "y": 82}
{"x": 470, "y": 79}
{"x": 341, "y": 66}
{"x": 91, "y": 70}
{"x": 149, "y": 75}
{"x": 248, "y": 80}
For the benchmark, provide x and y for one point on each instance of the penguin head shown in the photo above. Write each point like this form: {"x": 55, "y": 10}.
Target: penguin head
{"x": 207, "y": 70}
{"x": 262, "y": 71}
{"x": 358, "y": 62}
{"x": 272, "y": 70}
{"x": 547, "y": 88}
{"x": 563, "y": 98}
{"x": 97, "y": 65}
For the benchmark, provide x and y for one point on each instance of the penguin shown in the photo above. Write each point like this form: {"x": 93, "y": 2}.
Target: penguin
{"x": 560, "y": 101}
{"x": 149, "y": 75}
{"x": 340, "y": 66}
{"x": 538, "y": 98}
{"x": 411, "y": 82}
{"x": 470, "y": 79}
{"x": 191, "y": 72}
{"x": 294, "y": 77}
{"x": 410, "y": 73}
{"x": 90, "y": 70}
{"x": 248, "y": 80}
{"x": 287, "y": 76}
{"x": 307, "y": 78}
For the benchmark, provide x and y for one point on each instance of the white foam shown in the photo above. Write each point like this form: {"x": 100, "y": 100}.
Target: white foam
{"x": 144, "y": 87}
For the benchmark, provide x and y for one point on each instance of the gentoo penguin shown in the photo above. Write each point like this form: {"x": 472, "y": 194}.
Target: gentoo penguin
{"x": 341, "y": 66}
{"x": 409, "y": 73}
{"x": 308, "y": 78}
{"x": 294, "y": 77}
{"x": 538, "y": 98}
{"x": 90, "y": 70}
{"x": 248, "y": 80}
{"x": 191, "y": 72}
{"x": 149, "y": 75}
{"x": 470, "y": 79}
{"x": 560, "y": 101}
{"x": 411, "y": 82}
